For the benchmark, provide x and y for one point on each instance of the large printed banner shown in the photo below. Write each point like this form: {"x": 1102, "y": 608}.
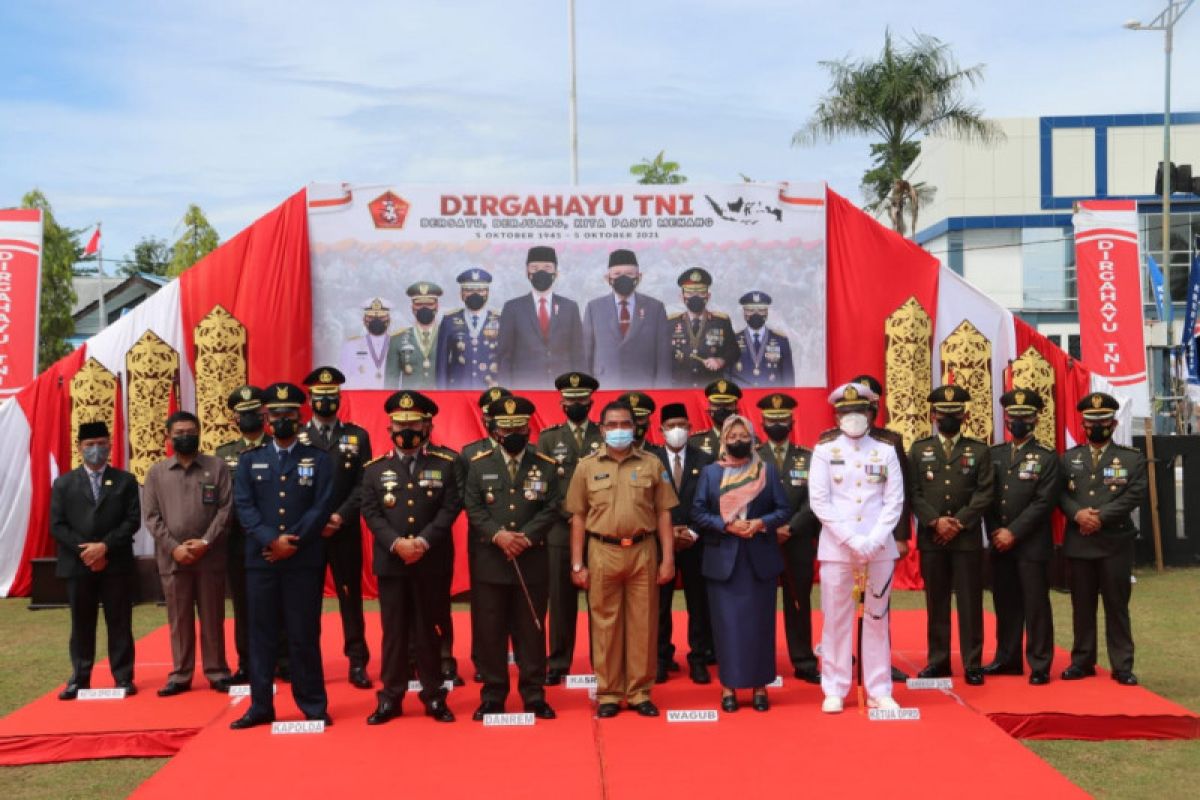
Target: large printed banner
{"x": 644, "y": 287}
{"x": 20, "y": 290}
{"x": 1108, "y": 273}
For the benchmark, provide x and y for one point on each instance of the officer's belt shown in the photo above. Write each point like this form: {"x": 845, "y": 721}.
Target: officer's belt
{"x": 620, "y": 541}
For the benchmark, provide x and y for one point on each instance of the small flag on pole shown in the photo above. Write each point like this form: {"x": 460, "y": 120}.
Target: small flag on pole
{"x": 93, "y": 245}
{"x": 1156, "y": 282}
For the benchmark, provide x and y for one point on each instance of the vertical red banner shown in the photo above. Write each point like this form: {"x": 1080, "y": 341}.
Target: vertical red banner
{"x": 1108, "y": 273}
{"x": 20, "y": 290}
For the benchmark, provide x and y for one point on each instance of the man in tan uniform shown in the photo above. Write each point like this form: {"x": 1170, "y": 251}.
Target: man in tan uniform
{"x": 620, "y": 499}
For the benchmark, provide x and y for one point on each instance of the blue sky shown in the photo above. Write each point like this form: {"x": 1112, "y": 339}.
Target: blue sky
{"x": 128, "y": 115}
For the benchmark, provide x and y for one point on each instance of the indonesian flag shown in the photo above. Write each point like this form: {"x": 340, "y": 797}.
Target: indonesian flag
{"x": 93, "y": 245}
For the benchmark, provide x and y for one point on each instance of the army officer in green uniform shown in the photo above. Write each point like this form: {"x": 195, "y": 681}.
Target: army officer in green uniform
{"x": 412, "y": 355}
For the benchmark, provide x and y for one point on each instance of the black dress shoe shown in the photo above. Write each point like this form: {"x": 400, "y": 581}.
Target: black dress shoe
{"x": 130, "y": 689}
{"x": 1075, "y": 673}
{"x": 384, "y": 711}
{"x": 1125, "y": 678}
{"x": 541, "y": 709}
{"x": 934, "y": 672}
{"x": 607, "y": 710}
{"x": 660, "y": 673}
{"x": 359, "y": 678}
{"x": 221, "y": 685}
{"x": 71, "y": 690}
{"x": 1039, "y": 678}
{"x": 899, "y": 675}
{"x": 487, "y": 707}
{"x": 699, "y": 673}
{"x": 239, "y": 677}
{"x": 729, "y": 703}
{"x": 328, "y": 720}
{"x": 284, "y": 673}
{"x": 808, "y": 674}
{"x": 998, "y": 668}
{"x": 974, "y": 677}
{"x": 172, "y": 689}
{"x": 553, "y": 677}
{"x": 760, "y": 701}
{"x": 646, "y": 709}
{"x": 439, "y": 711}
{"x": 251, "y": 720}
{"x": 451, "y": 674}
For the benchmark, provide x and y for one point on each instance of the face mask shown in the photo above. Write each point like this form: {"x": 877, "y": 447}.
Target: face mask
{"x": 1099, "y": 434}
{"x": 514, "y": 443}
{"x": 619, "y": 439}
{"x": 778, "y": 432}
{"x": 96, "y": 455}
{"x": 719, "y": 415}
{"x": 377, "y": 327}
{"x": 738, "y": 449}
{"x": 407, "y": 439}
{"x": 578, "y": 412}
{"x": 542, "y": 280}
{"x": 250, "y": 422}
{"x": 949, "y": 426}
{"x": 1019, "y": 428}
{"x": 425, "y": 315}
{"x": 854, "y": 425}
{"x": 676, "y": 437}
{"x": 284, "y": 427}
{"x": 186, "y": 445}
{"x": 326, "y": 408}
{"x": 756, "y": 321}
{"x": 475, "y": 301}
{"x": 695, "y": 304}
{"x": 624, "y": 285}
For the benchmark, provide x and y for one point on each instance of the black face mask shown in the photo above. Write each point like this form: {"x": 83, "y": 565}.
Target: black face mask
{"x": 475, "y": 301}
{"x": 284, "y": 428}
{"x": 425, "y": 315}
{"x": 695, "y": 304}
{"x": 738, "y": 449}
{"x": 949, "y": 426}
{"x": 640, "y": 430}
{"x": 250, "y": 422}
{"x": 778, "y": 432}
{"x": 756, "y": 321}
{"x": 1020, "y": 428}
{"x": 719, "y": 415}
{"x": 514, "y": 443}
{"x": 377, "y": 327}
{"x": 326, "y": 408}
{"x": 1099, "y": 434}
{"x": 408, "y": 439}
{"x": 578, "y": 412}
{"x": 624, "y": 285}
{"x": 186, "y": 445}
{"x": 542, "y": 280}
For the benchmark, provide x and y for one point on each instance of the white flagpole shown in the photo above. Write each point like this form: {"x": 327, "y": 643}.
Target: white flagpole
{"x": 572, "y": 99}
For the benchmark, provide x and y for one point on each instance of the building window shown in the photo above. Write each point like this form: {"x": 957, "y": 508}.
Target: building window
{"x": 1073, "y": 346}
{"x": 1048, "y": 269}
{"x": 954, "y": 251}
{"x": 1184, "y": 227}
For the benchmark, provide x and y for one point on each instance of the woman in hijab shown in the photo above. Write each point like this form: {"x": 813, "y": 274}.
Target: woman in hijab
{"x": 738, "y": 506}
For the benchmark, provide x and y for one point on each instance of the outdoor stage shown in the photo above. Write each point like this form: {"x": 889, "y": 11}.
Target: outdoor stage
{"x": 965, "y": 735}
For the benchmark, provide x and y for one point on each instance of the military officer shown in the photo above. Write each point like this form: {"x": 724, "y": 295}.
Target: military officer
{"x": 512, "y": 498}
{"x": 1105, "y": 484}
{"x": 723, "y": 396}
{"x": 410, "y": 499}
{"x": 247, "y": 403}
{"x": 952, "y": 479}
{"x": 1018, "y": 523}
{"x": 703, "y": 347}
{"x": 349, "y": 449}
{"x": 467, "y": 338}
{"x": 566, "y": 443}
{"x": 413, "y": 354}
{"x": 643, "y": 406}
{"x": 764, "y": 355}
{"x": 798, "y": 538}
{"x": 283, "y": 493}
{"x": 364, "y": 358}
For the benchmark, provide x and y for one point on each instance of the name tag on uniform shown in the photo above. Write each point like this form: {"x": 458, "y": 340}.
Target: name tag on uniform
{"x": 260, "y": 466}
{"x": 208, "y": 494}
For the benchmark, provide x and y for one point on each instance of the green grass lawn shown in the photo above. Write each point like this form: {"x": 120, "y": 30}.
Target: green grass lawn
{"x": 33, "y": 661}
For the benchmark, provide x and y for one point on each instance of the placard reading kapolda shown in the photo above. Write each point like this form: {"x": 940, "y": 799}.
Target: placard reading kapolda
{"x": 641, "y": 286}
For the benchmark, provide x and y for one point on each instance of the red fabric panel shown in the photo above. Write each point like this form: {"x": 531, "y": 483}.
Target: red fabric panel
{"x": 1097, "y": 728}
{"x": 262, "y": 277}
{"x": 58, "y": 748}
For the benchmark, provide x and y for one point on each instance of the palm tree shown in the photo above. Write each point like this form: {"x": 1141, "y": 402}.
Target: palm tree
{"x": 906, "y": 93}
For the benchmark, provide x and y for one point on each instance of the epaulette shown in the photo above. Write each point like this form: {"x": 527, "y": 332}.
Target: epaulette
{"x": 884, "y": 435}
{"x": 258, "y": 446}
{"x": 483, "y": 454}
{"x": 549, "y": 428}
{"x": 592, "y": 454}
{"x": 549, "y": 459}
{"x": 442, "y": 452}
{"x": 377, "y": 458}
{"x": 676, "y": 315}
{"x": 718, "y": 314}
{"x": 773, "y": 332}
{"x": 829, "y": 435}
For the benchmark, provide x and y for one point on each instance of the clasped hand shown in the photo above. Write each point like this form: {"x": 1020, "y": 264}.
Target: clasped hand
{"x": 744, "y": 528}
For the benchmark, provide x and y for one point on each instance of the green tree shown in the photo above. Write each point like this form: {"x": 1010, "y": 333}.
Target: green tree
{"x": 657, "y": 170}
{"x": 198, "y": 240}
{"x": 60, "y": 250}
{"x": 151, "y": 255}
{"x": 909, "y": 91}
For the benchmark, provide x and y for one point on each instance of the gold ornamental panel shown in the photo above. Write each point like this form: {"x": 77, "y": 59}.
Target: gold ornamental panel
{"x": 220, "y": 368}
{"x": 908, "y": 370}
{"x": 967, "y": 362}
{"x": 93, "y": 399}
{"x": 153, "y": 369}
{"x": 1033, "y": 371}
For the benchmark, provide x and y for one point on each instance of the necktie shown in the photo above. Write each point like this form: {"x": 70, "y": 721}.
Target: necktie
{"x": 623, "y": 318}
{"x": 757, "y": 341}
{"x": 779, "y": 451}
{"x": 325, "y": 433}
{"x": 95, "y": 478}
{"x": 407, "y": 463}
{"x": 512, "y": 470}
{"x": 579, "y": 438}
{"x": 947, "y": 448}
{"x": 695, "y": 327}
{"x": 475, "y": 323}
{"x": 283, "y": 460}
{"x": 543, "y": 318}
{"x": 1095, "y": 458}
{"x": 677, "y": 470}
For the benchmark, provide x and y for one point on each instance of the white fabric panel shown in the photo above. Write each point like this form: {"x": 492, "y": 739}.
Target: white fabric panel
{"x": 16, "y": 490}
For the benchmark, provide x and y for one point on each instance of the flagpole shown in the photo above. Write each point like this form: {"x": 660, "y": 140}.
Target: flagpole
{"x": 572, "y": 104}
{"x": 102, "y": 320}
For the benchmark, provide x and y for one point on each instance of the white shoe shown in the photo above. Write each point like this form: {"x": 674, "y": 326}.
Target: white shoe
{"x": 832, "y": 705}
{"x": 884, "y": 702}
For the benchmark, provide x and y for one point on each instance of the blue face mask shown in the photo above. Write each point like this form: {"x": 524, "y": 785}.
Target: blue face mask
{"x": 618, "y": 439}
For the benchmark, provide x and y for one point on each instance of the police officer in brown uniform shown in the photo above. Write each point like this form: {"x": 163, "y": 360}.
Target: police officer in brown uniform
{"x": 952, "y": 477}
{"x": 1018, "y": 523}
{"x": 410, "y": 499}
{"x": 723, "y": 396}
{"x": 620, "y": 499}
{"x": 1105, "y": 484}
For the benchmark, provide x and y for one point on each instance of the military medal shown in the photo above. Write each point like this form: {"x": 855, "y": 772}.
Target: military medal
{"x": 389, "y": 500}
{"x": 489, "y": 498}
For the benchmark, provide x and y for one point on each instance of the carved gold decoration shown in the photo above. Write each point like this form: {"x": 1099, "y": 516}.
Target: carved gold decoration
{"x": 93, "y": 399}
{"x": 908, "y": 370}
{"x": 153, "y": 369}
{"x": 220, "y": 369}
{"x": 1032, "y": 371}
{"x": 967, "y": 362}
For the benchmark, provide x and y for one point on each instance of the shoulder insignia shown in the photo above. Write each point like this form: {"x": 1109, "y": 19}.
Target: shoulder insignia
{"x": 882, "y": 435}
{"x": 676, "y": 315}
{"x": 548, "y": 459}
{"x": 557, "y": 427}
{"x": 258, "y": 446}
{"x": 444, "y": 453}
{"x": 377, "y": 458}
{"x": 773, "y": 332}
{"x": 719, "y": 314}
{"x": 484, "y": 454}
{"x": 829, "y": 435}
{"x": 592, "y": 454}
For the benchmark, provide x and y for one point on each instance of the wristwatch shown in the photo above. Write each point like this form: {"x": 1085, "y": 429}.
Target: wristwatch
{"x": 577, "y": 568}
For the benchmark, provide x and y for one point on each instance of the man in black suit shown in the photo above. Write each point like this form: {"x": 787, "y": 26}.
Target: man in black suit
{"x": 541, "y": 335}
{"x": 683, "y": 463}
{"x": 626, "y": 339}
{"x": 94, "y": 512}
